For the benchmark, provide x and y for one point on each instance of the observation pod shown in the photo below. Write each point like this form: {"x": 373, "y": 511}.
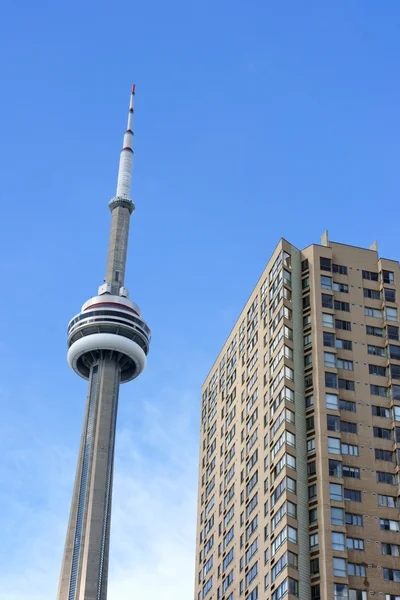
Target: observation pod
{"x": 108, "y": 325}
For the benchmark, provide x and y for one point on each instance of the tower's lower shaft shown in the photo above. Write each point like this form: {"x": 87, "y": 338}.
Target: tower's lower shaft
{"x": 85, "y": 562}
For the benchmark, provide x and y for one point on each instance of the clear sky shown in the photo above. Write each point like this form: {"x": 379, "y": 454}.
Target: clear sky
{"x": 254, "y": 120}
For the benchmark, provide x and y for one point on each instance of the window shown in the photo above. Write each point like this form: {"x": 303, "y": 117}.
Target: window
{"x": 346, "y": 427}
{"x": 350, "y": 449}
{"x": 388, "y": 277}
{"x": 332, "y": 401}
{"x": 391, "y": 575}
{"x": 377, "y": 331}
{"x": 344, "y": 306}
{"x": 333, "y": 423}
{"x": 305, "y": 283}
{"x": 314, "y": 566}
{"x": 352, "y": 495}
{"x": 384, "y": 477}
{"x": 315, "y": 592}
{"x": 345, "y": 325}
{"x": 335, "y": 468}
{"x": 312, "y": 492}
{"x": 340, "y": 591}
{"x": 339, "y": 567}
{"x": 304, "y": 265}
{"x": 376, "y": 350}
{"x": 344, "y": 344}
{"x": 394, "y": 371}
{"x": 345, "y": 364}
{"x": 313, "y": 540}
{"x": 329, "y": 359}
{"x": 340, "y": 269}
{"x": 352, "y": 472}
{"x": 337, "y": 516}
{"x": 330, "y": 380}
{"x": 383, "y": 455}
{"x": 389, "y": 295}
{"x": 356, "y": 570}
{"x": 394, "y": 351}
{"x": 338, "y": 541}
{"x": 374, "y": 294}
{"x": 354, "y": 519}
{"x": 391, "y": 314}
{"x": 378, "y": 390}
{"x": 336, "y": 492}
{"x": 354, "y": 544}
{"x": 326, "y": 282}
{"x": 382, "y": 433}
{"x": 389, "y": 501}
{"x": 333, "y": 445}
{"x": 390, "y": 549}
{"x": 327, "y": 301}
{"x": 325, "y": 264}
{"x": 377, "y": 370}
{"x": 346, "y": 384}
{"x": 327, "y": 320}
{"x": 370, "y": 275}
{"x": 340, "y": 287}
{"x": 312, "y": 516}
{"x": 307, "y": 339}
{"x": 329, "y": 339}
{"x": 392, "y": 332}
{"x": 373, "y": 312}
{"x": 347, "y": 405}
{"x": 389, "y": 525}
{"x": 357, "y": 595}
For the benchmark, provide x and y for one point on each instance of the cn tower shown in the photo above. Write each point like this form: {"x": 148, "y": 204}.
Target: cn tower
{"x": 108, "y": 342}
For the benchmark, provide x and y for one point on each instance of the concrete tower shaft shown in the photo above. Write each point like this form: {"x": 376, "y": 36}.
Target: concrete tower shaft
{"x": 108, "y": 342}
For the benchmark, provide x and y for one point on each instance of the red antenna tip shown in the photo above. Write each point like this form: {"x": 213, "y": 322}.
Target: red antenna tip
{"x": 133, "y": 88}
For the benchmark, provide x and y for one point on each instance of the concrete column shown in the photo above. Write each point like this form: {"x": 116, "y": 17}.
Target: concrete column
{"x": 117, "y": 247}
{"x": 85, "y": 564}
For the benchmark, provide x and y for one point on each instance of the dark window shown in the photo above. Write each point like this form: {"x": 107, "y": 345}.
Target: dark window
{"x": 375, "y": 294}
{"x": 388, "y": 277}
{"x": 329, "y": 339}
{"x": 344, "y": 344}
{"x": 347, "y": 405}
{"x": 325, "y": 264}
{"x": 305, "y": 283}
{"x": 340, "y": 287}
{"x": 393, "y": 332}
{"x": 315, "y": 592}
{"x": 306, "y": 301}
{"x": 312, "y": 492}
{"x": 378, "y": 331}
{"x": 308, "y": 380}
{"x": 395, "y": 389}
{"x": 311, "y": 468}
{"x": 377, "y": 370}
{"x": 330, "y": 380}
{"x": 333, "y": 423}
{"x": 352, "y": 495}
{"x": 385, "y": 455}
{"x": 309, "y": 423}
{"x": 314, "y": 566}
{"x": 312, "y": 515}
{"x": 381, "y": 432}
{"x": 327, "y": 300}
{"x": 335, "y": 468}
{"x": 341, "y": 269}
{"x": 352, "y": 472}
{"x": 304, "y": 265}
{"x": 370, "y": 275}
{"x": 394, "y": 370}
{"x": 345, "y": 306}
{"x": 390, "y": 295}
{"x": 346, "y": 325}
{"x": 380, "y": 411}
{"x": 346, "y": 427}
{"x": 383, "y": 477}
{"x": 394, "y": 351}
{"x": 376, "y": 350}
{"x": 346, "y": 384}
{"x": 353, "y": 519}
{"x": 378, "y": 390}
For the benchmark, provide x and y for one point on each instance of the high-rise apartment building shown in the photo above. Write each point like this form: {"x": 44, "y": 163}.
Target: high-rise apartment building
{"x": 300, "y": 435}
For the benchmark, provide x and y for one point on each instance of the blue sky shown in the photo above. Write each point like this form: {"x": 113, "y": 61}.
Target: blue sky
{"x": 254, "y": 121}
